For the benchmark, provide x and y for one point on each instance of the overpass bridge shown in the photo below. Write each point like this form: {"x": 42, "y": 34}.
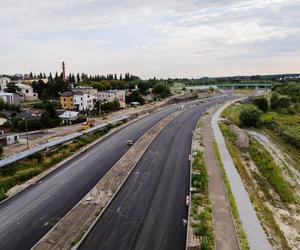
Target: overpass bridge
{"x": 233, "y": 86}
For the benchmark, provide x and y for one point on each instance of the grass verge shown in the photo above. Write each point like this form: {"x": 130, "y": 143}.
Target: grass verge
{"x": 272, "y": 173}
{"x": 264, "y": 214}
{"x": 201, "y": 211}
{"x": 25, "y": 169}
{"x": 240, "y": 231}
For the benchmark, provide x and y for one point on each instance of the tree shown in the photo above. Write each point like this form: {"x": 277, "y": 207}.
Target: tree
{"x": 44, "y": 95}
{"x": 274, "y": 100}
{"x": 250, "y": 116}
{"x": 162, "y": 90}
{"x": 283, "y": 102}
{"x": 2, "y": 104}
{"x": 144, "y": 87}
{"x": 261, "y": 103}
{"x": 12, "y": 88}
{"x": 134, "y": 96}
{"x": 49, "y": 117}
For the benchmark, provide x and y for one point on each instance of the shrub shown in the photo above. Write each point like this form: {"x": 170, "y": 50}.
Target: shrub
{"x": 162, "y": 90}
{"x": 274, "y": 100}
{"x": 250, "y": 117}
{"x": 261, "y": 103}
{"x": 283, "y": 102}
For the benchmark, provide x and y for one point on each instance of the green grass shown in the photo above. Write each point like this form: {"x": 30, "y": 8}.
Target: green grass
{"x": 23, "y": 170}
{"x": 239, "y": 227}
{"x": 267, "y": 167}
{"x": 287, "y": 122}
{"x": 202, "y": 219}
{"x": 289, "y": 150}
{"x": 233, "y": 112}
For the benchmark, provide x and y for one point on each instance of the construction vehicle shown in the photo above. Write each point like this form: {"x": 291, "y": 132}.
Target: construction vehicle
{"x": 88, "y": 124}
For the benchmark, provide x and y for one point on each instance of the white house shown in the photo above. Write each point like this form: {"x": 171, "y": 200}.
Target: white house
{"x": 83, "y": 102}
{"x": 26, "y": 92}
{"x": 110, "y": 95}
{"x": 3, "y": 83}
{"x": 9, "y": 139}
{"x": 10, "y": 98}
{"x": 69, "y": 116}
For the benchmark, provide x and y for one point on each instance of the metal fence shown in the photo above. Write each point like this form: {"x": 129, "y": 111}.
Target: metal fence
{"x": 39, "y": 148}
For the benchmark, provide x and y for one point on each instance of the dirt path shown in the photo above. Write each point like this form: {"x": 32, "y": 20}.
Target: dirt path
{"x": 224, "y": 228}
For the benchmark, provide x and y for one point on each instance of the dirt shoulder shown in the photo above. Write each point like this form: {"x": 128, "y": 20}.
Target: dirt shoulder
{"x": 70, "y": 230}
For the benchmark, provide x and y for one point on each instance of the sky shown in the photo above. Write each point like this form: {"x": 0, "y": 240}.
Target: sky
{"x": 162, "y": 38}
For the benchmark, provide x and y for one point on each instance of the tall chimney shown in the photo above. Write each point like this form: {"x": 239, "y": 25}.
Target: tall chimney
{"x": 63, "y": 71}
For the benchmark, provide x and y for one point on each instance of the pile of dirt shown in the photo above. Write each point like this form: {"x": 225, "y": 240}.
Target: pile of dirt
{"x": 242, "y": 140}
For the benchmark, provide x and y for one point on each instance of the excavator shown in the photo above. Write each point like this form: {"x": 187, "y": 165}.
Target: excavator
{"x": 88, "y": 124}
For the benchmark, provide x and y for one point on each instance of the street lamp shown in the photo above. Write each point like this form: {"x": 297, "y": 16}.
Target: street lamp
{"x": 26, "y": 126}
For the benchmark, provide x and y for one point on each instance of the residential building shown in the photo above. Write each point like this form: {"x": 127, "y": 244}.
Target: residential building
{"x": 9, "y": 139}
{"x": 26, "y": 93}
{"x": 110, "y": 95}
{"x": 69, "y": 116}
{"x": 85, "y": 90}
{"x": 66, "y": 100}
{"x": 83, "y": 101}
{"x": 4, "y": 81}
{"x": 10, "y": 98}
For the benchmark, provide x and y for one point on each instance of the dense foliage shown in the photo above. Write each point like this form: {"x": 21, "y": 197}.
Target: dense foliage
{"x": 250, "y": 116}
{"x": 261, "y": 103}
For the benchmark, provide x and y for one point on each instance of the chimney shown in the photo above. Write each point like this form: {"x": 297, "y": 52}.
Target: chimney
{"x": 63, "y": 71}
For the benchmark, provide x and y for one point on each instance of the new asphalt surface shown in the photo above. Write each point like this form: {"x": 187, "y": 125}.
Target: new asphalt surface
{"x": 29, "y": 215}
{"x": 149, "y": 210}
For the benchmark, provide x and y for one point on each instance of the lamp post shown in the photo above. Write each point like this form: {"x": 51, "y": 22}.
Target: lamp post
{"x": 26, "y": 127}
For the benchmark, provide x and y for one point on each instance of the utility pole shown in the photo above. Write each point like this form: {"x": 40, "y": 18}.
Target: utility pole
{"x": 26, "y": 127}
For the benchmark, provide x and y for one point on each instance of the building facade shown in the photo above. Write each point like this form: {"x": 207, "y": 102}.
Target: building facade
{"x": 26, "y": 93}
{"x": 85, "y": 90}
{"x": 10, "y": 98}
{"x": 4, "y": 81}
{"x": 111, "y": 95}
{"x": 66, "y": 100}
{"x": 84, "y": 101}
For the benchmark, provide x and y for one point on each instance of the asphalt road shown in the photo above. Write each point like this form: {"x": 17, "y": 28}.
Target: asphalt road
{"x": 28, "y": 216}
{"x": 148, "y": 211}
{"x": 25, "y": 218}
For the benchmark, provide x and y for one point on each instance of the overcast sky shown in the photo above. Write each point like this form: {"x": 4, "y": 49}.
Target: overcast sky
{"x": 163, "y": 38}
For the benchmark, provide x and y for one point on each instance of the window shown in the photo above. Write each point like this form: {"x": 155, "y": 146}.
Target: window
{"x": 65, "y": 99}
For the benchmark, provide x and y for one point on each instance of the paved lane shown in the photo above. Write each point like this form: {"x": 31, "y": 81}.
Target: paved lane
{"x": 25, "y": 218}
{"x": 148, "y": 211}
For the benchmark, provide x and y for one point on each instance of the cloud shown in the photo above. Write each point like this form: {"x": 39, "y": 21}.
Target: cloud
{"x": 164, "y": 38}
